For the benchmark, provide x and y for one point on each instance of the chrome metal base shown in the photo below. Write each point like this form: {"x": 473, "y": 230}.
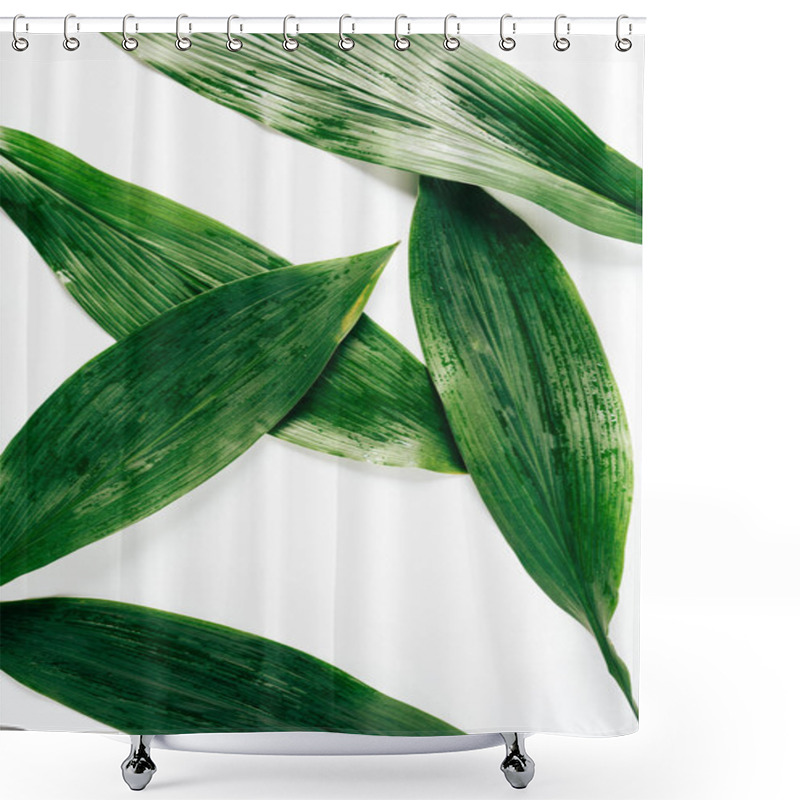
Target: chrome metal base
{"x": 138, "y": 768}
{"x": 517, "y": 766}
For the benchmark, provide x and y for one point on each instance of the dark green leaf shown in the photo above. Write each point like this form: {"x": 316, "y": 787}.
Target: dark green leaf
{"x": 127, "y": 255}
{"x": 530, "y": 397}
{"x": 171, "y": 404}
{"x": 466, "y": 116}
{"x": 141, "y": 670}
{"x": 124, "y": 253}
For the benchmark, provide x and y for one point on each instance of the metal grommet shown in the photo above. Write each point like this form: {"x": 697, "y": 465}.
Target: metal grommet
{"x": 450, "y": 42}
{"x": 233, "y": 44}
{"x": 128, "y": 42}
{"x": 71, "y": 43}
{"x": 181, "y": 42}
{"x": 623, "y": 45}
{"x": 289, "y": 44}
{"x": 401, "y": 42}
{"x": 19, "y": 43}
{"x": 507, "y": 42}
{"x": 561, "y": 43}
{"x": 345, "y": 42}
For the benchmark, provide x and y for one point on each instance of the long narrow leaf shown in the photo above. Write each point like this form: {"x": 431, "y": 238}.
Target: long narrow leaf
{"x": 171, "y": 404}
{"x": 141, "y": 670}
{"x": 127, "y": 255}
{"x": 465, "y": 115}
{"x": 530, "y": 397}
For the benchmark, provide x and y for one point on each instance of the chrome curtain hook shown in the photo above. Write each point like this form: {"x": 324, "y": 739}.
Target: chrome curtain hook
{"x": 128, "y": 42}
{"x": 233, "y": 44}
{"x": 507, "y": 42}
{"x": 623, "y": 45}
{"x": 401, "y": 42}
{"x": 181, "y": 42}
{"x": 18, "y": 42}
{"x": 450, "y": 42}
{"x": 561, "y": 43}
{"x": 289, "y": 44}
{"x": 70, "y": 42}
{"x": 345, "y": 42}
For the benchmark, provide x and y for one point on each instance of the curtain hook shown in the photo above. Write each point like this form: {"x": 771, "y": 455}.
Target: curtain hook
{"x": 623, "y": 45}
{"x": 181, "y": 42}
{"x": 233, "y": 44}
{"x": 289, "y": 44}
{"x": 401, "y": 42}
{"x": 345, "y": 42}
{"x": 507, "y": 42}
{"x": 450, "y": 42}
{"x": 70, "y": 42}
{"x": 18, "y": 42}
{"x": 561, "y": 43}
{"x": 128, "y": 42}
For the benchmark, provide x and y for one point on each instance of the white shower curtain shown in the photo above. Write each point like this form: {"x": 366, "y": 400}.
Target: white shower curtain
{"x": 427, "y": 584}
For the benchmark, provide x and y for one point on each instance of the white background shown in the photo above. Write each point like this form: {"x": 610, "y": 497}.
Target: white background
{"x": 720, "y": 596}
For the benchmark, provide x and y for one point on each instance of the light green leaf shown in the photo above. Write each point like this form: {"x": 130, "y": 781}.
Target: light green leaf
{"x": 466, "y": 115}
{"x": 141, "y": 670}
{"x": 168, "y": 406}
{"x": 127, "y": 255}
{"x": 530, "y": 397}
{"x": 383, "y": 404}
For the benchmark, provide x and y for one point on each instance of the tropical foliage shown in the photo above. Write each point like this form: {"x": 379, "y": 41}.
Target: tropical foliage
{"x": 220, "y": 341}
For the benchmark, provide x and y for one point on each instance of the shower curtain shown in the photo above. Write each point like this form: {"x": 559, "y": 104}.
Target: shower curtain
{"x": 320, "y": 385}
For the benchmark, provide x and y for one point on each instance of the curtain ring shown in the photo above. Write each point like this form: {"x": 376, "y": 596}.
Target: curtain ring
{"x": 450, "y": 42}
{"x": 233, "y": 44}
{"x": 623, "y": 45}
{"x": 181, "y": 42}
{"x": 128, "y": 42}
{"x": 345, "y": 42}
{"x": 561, "y": 43}
{"x": 507, "y": 42}
{"x": 18, "y": 42}
{"x": 401, "y": 42}
{"x": 289, "y": 44}
{"x": 70, "y": 42}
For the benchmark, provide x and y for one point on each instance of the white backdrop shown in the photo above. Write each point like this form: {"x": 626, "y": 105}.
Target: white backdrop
{"x": 720, "y": 603}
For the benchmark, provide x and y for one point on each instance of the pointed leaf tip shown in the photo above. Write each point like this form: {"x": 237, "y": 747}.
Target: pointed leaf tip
{"x": 170, "y": 405}
{"x": 530, "y": 397}
{"x": 373, "y": 402}
{"x": 155, "y": 671}
{"x": 474, "y": 118}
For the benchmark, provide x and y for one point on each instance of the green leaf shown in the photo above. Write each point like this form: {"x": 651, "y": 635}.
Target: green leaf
{"x": 466, "y": 116}
{"x": 124, "y": 253}
{"x": 127, "y": 255}
{"x": 530, "y": 397}
{"x": 168, "y": 406}
{"x": 383, "y": 403}
{"x": 141, "y": 670}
